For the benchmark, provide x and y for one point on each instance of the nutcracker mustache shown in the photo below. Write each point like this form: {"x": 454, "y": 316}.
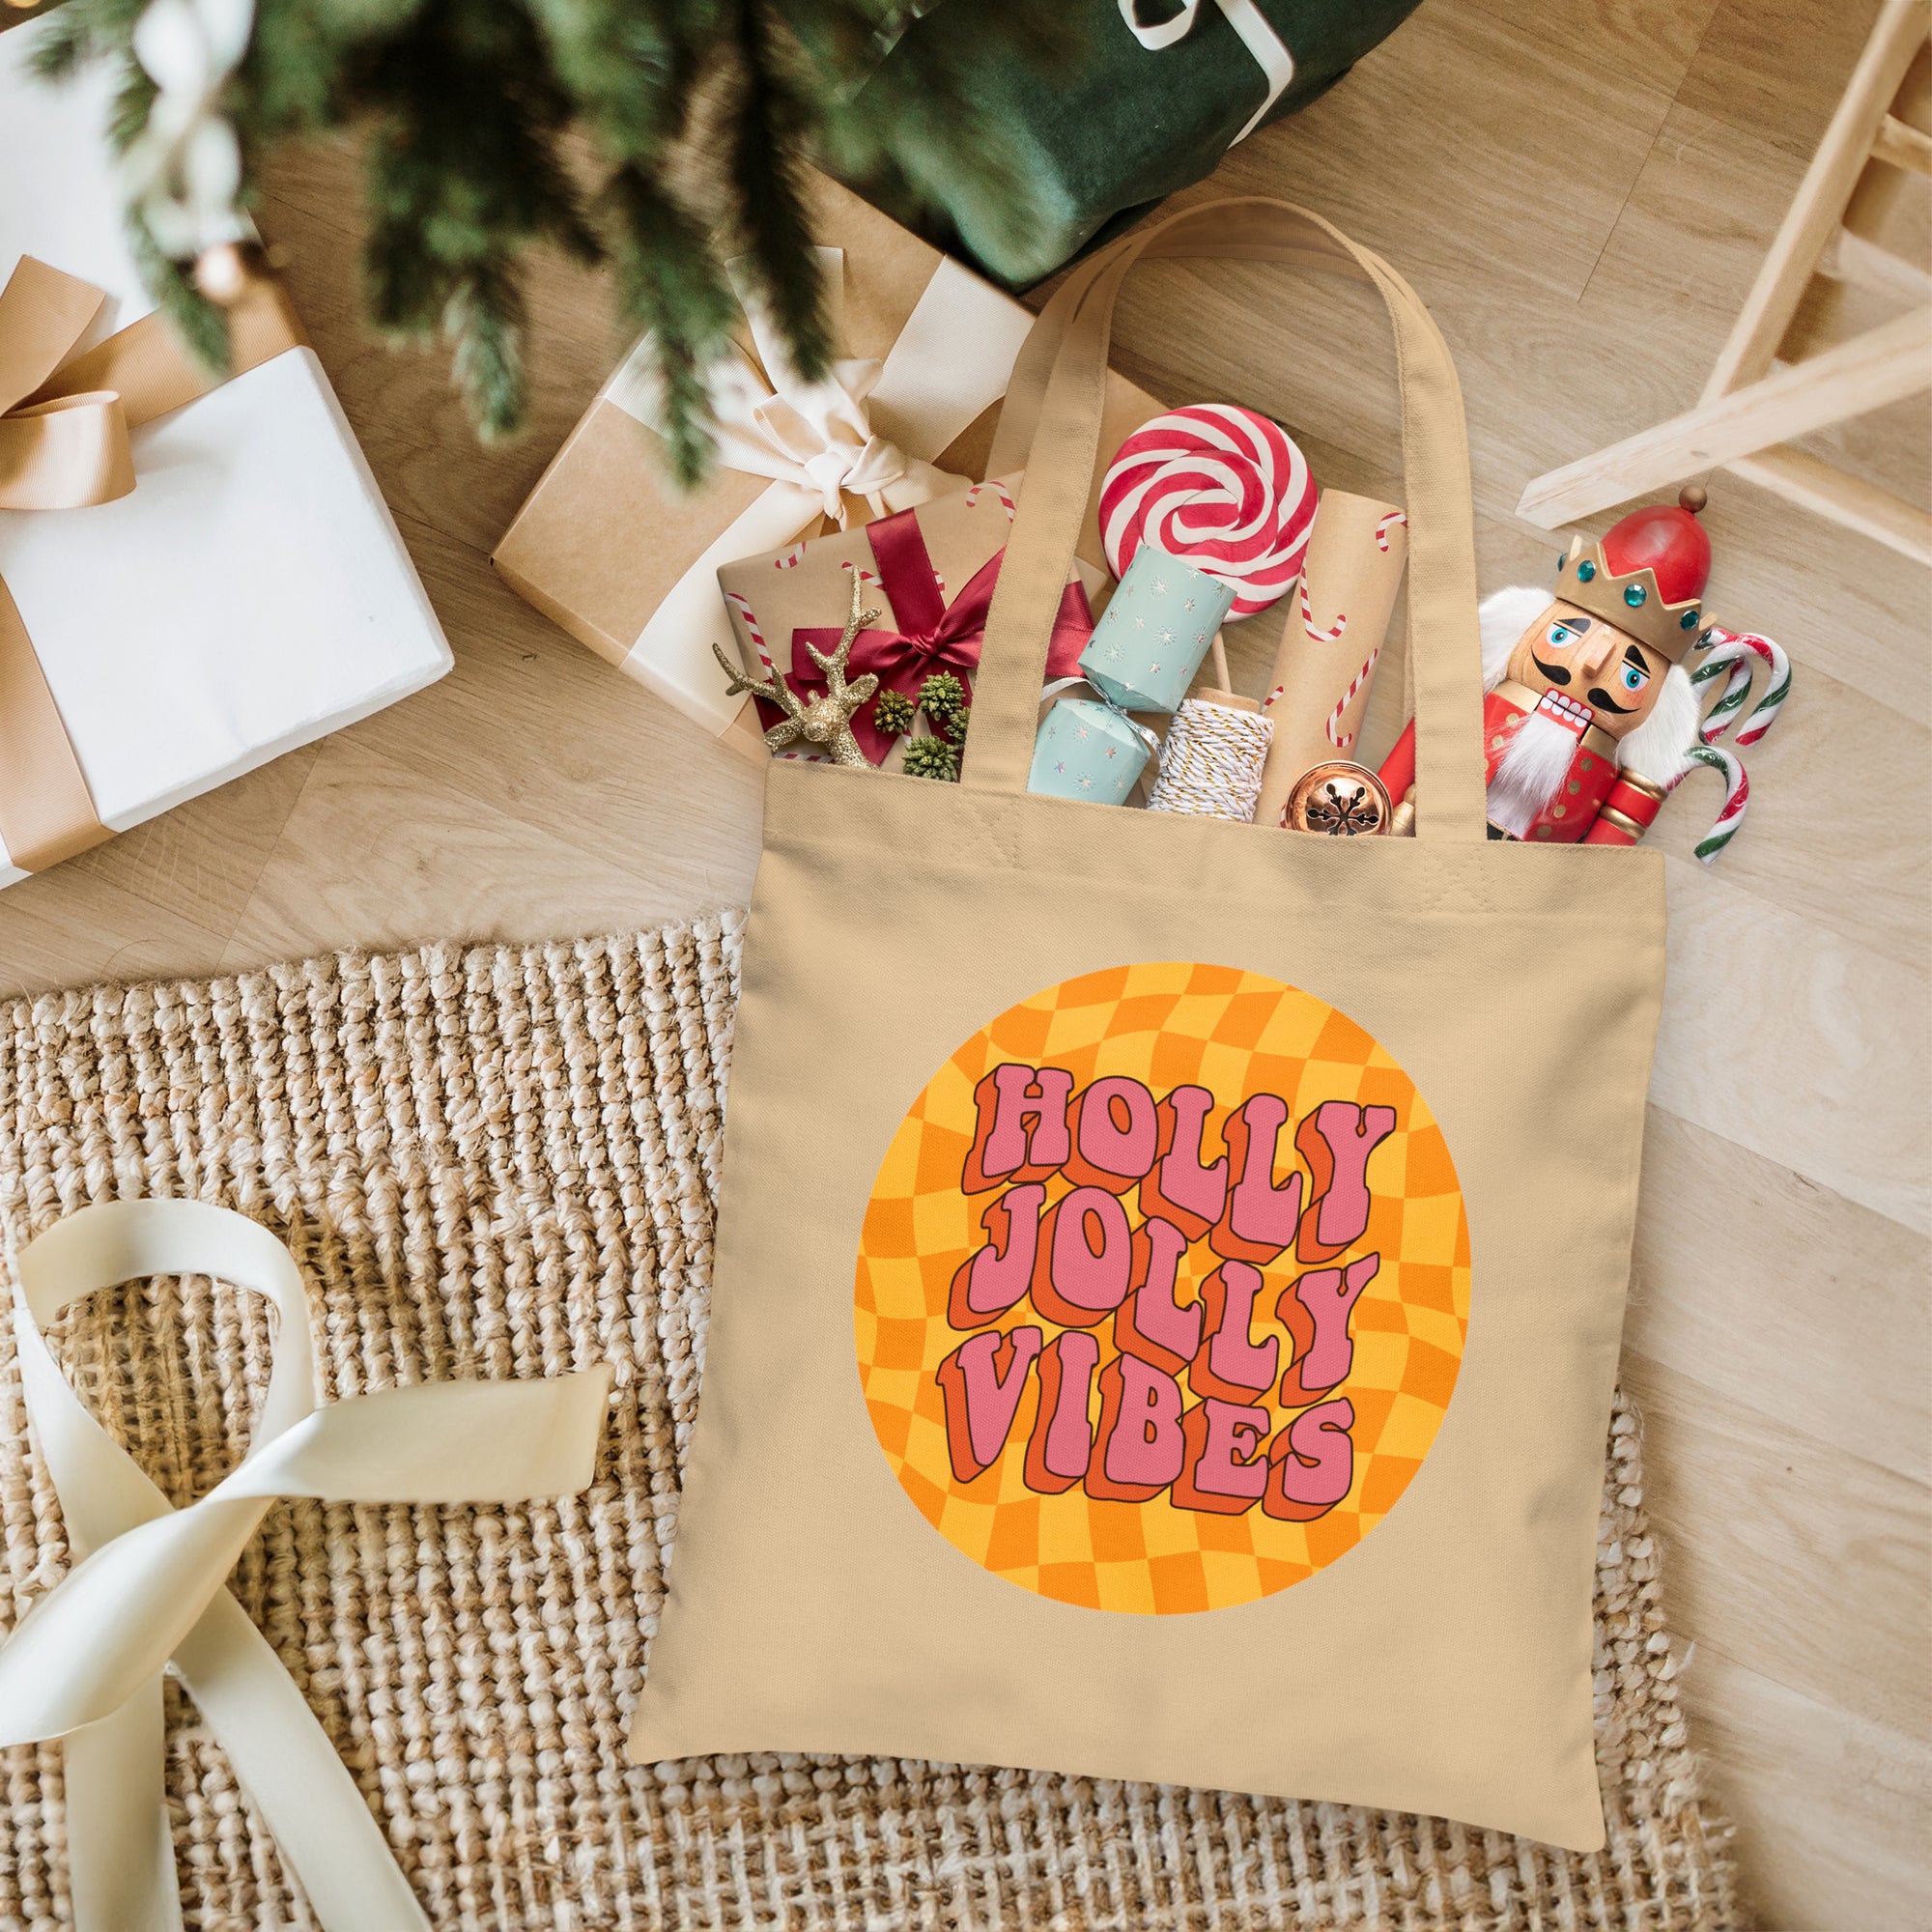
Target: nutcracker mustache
{"x": 1533, "y": 765}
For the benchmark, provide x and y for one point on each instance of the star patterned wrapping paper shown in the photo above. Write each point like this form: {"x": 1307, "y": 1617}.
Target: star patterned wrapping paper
{"x": 1152, "y": 635}
{"x": 1087, "y": 751}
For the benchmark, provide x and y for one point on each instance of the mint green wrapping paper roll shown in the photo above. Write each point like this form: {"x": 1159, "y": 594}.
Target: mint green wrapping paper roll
{"x": 1087, "y": 751}
{"x": 1155, "y": 632}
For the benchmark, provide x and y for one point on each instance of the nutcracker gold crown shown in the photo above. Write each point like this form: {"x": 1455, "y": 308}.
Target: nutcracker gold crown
{"x": 1632, "y": 602}
{"x": 1645, "y": 575}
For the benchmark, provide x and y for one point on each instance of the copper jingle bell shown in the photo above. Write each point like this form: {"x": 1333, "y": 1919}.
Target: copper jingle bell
{"x": 1338, "y": 800}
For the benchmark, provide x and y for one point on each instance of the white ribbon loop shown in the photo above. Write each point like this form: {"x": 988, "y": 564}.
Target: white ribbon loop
{"x": 86, "y": 1662}
{"x": 769, "y": 422}
{"x": 1258, "y": 36}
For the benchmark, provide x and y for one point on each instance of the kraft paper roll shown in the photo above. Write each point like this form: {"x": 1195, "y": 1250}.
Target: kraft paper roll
{"x": 1338, "y": 616}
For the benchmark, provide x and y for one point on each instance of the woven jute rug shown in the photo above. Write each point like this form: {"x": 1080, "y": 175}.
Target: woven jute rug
{"x": 500, "y": 1161}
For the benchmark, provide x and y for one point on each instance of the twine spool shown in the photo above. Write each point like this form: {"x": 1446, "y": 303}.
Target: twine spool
{"x": 1212, "y": 762}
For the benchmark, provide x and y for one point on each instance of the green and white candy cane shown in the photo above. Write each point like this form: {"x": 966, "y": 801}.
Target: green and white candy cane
{"x": 1728, "y": 766}
{"x": 1738, "y": 653}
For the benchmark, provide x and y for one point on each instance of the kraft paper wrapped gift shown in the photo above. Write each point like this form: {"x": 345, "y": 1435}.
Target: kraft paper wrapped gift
{"x": 927, "y": 574}
{"x": 608, "y": 548}
{"x": 247, "y": 595}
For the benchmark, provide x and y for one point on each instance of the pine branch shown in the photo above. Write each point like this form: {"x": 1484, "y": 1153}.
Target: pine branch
{"x": 669, "y": 280}
{"x": 766, "y": 171}
{"x": 699, "y": 114}
{"x": 464, "y": 173}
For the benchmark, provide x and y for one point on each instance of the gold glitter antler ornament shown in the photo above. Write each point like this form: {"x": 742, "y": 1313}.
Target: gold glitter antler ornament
{"x": 827, "y": 719}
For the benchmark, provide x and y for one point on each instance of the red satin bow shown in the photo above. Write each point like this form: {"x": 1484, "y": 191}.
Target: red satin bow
{"x": 935, "y": 634}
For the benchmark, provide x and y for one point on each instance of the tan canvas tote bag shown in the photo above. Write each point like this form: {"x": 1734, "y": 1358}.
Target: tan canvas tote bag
{"x": 1169, "y": 1273}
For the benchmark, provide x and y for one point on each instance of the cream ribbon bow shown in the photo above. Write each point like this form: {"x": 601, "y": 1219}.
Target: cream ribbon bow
{"x": 815, "y": 435}
{"x": 819, "y": 445}
{"x": 1258, "y": 36}
{"x": 149, "y": 1590}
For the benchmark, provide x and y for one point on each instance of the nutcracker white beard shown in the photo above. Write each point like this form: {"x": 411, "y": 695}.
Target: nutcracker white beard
{"x": 1533, "y": 766}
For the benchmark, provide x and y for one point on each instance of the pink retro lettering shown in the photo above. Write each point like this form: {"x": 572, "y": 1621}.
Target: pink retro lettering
{"x": 1221, "y": 1472}
{"x": 1139, "y": 1446}
{"x": 980, "y": 1383}
{"x": 1336, "y": 1141}
{"x": 1198, "y": 1375}
{"x": 1062, "y": 1443}
{"x": 1081, "y": 1272}
{"x": 1184, "y": 1187}
{"x": 1260, "y": 1219}
{"x": 1231, "y": 1363}
{"x": 1316, "y": 1314}
{"x": 1020, "y": 1132}
{"x": 997, "y": 1275}
{"x": 1115, "y": 1134}
{"x": 1152, "y": 1323}
{"x": 1310, "y": 1463}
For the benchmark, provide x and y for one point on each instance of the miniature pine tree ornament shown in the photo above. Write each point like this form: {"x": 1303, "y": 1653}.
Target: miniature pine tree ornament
{"x": 943, "y": 699}
{"x": 827, "y": 718}
{"x": 932, "y": 758}
{"x": 892, "y": 712}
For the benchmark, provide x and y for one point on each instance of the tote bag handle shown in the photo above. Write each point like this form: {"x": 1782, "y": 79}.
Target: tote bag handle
{"x": 1051, "y": 426}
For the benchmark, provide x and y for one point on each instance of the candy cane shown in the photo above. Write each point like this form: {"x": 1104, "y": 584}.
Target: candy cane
{"x": 999, "y": 490}
{"x": 1737, "y": 648}
{"x": 752, "y": 631}
{"x": 1394, "y": 520}
{"x": 1317, "y": 634}
{"x": 1340, "y": 739}
{"x": 790, "y": 560}
{"x": 758, "y": 636}
{"x": 1731, "y": 700}
{"x": 1267, "y": 703}
{"x": 1726, "y": 763}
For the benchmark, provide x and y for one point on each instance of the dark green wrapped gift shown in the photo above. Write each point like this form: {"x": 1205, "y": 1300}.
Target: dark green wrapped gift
{"x": 1157, "y": 92}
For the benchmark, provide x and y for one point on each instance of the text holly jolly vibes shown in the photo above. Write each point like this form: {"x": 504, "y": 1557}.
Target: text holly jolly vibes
{"x": 1083, "y": 1262}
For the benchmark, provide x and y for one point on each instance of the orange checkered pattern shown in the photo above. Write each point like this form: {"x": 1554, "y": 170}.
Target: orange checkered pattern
{"x": 1235, "y": 1034}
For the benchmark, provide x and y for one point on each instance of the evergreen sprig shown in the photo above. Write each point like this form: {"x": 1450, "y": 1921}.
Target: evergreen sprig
{"x": 667, "y": 136}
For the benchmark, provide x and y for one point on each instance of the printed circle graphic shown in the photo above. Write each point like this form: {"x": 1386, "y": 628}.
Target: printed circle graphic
{"x": 1163, "y": 1290}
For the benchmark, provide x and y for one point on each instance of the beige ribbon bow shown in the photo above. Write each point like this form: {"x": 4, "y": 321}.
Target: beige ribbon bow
{"x": 64, "y": 424}
{"x": 150, "y": 1589}
{"x": 819, "y": 445}
{"x": 770, "y": 421}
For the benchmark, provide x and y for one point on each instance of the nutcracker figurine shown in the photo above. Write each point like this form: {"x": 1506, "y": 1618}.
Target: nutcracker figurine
{"x": 1589, "y": 711}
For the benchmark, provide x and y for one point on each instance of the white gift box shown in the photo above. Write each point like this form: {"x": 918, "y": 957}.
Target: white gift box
{"x": 252, "y": 594}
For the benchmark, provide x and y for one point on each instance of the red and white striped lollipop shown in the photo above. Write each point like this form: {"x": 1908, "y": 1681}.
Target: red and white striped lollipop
{"x": 1220, "y": 487}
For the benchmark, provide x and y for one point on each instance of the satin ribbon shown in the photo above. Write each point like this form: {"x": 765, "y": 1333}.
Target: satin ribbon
{"x": 819, "y": 446}
{"x": 64, "y": 445}
{"x": 149, "y": 1588}
{"x": 934, "y": 635}
{"x": 1258, "y": 36}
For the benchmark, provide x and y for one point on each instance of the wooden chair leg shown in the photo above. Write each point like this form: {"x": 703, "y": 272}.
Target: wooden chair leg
{"x": 1881, "y": 366}
{"x": 1819, "y": 205}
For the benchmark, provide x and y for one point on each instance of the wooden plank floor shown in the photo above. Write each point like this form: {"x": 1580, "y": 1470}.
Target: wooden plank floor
{"x": 1581, "y": 189}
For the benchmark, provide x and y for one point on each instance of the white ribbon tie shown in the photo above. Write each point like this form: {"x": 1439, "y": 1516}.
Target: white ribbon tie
{"x": 149, "y": 1587}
